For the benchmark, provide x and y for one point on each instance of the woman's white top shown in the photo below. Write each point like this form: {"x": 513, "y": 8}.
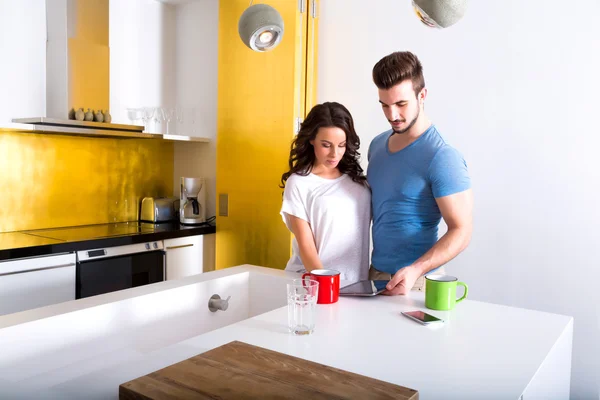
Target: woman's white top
{"x": 339, "y": 213}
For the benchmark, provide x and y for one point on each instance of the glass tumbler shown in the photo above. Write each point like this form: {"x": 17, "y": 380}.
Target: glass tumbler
{"x": 302, "y": 303}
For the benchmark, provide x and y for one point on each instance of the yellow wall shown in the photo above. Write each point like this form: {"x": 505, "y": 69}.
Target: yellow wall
{"x": 89, "y": 56}
{"x": 259, "y": 96}
{"x": 53, "y": 180}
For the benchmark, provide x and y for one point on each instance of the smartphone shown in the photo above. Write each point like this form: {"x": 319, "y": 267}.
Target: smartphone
{"x": 422, "y": 317}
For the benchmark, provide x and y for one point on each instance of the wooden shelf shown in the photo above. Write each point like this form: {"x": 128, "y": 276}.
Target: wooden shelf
{"x": 96, "y": 133}
{"x": 179, "y": 138}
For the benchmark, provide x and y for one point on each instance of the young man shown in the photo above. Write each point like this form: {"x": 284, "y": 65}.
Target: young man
{"x": 416, "y": 179}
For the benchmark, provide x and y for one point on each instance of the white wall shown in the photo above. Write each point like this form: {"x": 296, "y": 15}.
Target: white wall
{"x": 142, "y": 57}
{"x": 23, "y": 52}
{"x": 197, "y": 27}
{"x": 514, "y": 86}
{"x": 165, "y": 54}
{"x": 196, "y": 55}
{"x": 196, "y": 82}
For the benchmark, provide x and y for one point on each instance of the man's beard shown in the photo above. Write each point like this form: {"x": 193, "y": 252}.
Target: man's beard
{"x": 410, "y": 125}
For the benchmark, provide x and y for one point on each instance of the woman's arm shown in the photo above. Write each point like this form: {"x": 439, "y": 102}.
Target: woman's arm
{"x": 306, "y": 243}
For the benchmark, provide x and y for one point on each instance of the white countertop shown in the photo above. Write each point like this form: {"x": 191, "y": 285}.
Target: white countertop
{"x": 482, "y": 351}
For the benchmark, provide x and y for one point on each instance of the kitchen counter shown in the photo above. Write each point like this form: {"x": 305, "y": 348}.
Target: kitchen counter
{"x": 88, "y": 347}
{"x": 62, "y": 240}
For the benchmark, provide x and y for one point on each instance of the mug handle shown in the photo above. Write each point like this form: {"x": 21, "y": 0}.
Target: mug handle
{"x": 464, "y": 296}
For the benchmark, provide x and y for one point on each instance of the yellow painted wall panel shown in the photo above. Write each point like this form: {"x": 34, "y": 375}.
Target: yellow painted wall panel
{"x": 89, "y": 72}
{"x": 260, "y": 94}
{"x": 53, "y": 181}
{"x": 91, "y": 20}
{"x": 88, "y": 55}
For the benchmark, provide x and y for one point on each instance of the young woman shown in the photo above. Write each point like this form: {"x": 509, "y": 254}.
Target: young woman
{"x": 326, "y": 200}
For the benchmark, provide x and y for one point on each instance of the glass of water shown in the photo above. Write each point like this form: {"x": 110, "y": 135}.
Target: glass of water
{"x": 302, "y": 302}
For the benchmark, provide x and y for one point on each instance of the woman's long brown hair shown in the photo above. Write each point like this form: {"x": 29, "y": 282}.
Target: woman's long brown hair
{"x": 302, "y": 153}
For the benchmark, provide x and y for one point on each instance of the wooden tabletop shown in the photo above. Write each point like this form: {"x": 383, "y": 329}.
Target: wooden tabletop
{"x": 238, "y": 370}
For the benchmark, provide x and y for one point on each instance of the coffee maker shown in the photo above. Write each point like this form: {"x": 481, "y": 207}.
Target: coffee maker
{"x": 192, "y": 206}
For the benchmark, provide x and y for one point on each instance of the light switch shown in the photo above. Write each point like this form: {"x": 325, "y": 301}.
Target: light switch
{"x": 223, "y": 205}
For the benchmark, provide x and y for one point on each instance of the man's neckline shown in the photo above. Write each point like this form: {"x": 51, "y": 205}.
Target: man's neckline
{"x": 387, "y": 142}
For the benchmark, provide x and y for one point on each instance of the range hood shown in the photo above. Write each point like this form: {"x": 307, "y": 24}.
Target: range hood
{"x": 78, "y": 74}
{"x": 77, "y": 71}
{"x": 77, "y": 56}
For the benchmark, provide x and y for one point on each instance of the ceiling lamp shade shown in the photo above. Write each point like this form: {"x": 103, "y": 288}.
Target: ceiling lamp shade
{"x": 440, "y": 13}
{"x": 261, "y": 27}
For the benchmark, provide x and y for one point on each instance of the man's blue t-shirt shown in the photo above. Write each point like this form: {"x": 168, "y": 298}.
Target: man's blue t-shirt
{"x": 404, "y": 187}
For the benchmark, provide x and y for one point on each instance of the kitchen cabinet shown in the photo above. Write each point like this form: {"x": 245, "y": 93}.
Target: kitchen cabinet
{"x": 184, "y": 256}
{"x": 262, "y": 98}
{"x": 36, "y": 282}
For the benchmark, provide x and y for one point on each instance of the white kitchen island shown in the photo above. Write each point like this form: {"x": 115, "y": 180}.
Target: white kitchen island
{"x": 87, "y": 348}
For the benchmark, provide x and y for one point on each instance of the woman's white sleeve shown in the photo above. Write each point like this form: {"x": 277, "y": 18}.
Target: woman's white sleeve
{"x": 294, "y": 202}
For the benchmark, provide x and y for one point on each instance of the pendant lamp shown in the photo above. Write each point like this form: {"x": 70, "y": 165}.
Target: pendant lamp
{"x": 440, "y": 13}
{"x": 261, "y": 27}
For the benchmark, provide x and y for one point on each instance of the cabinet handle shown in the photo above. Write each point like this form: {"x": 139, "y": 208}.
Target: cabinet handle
{"x": 37, "y": 269}
{"x": 179, "y": 247}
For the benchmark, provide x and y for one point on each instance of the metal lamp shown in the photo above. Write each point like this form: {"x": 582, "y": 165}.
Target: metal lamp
{"x": 440, "y": 13}
{"x": 261, "y": 27}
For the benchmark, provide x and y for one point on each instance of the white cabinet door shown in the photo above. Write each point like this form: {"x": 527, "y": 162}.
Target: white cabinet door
{"x": 36, "y": 282}
{"x": 184, "y": 256}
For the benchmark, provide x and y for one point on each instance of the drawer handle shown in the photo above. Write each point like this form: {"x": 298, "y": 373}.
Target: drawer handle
{"x": 37, "y": 269}
{"x": 180, "y": 247}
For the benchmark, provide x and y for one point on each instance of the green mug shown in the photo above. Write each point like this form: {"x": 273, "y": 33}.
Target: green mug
{"x": 440, "y": 292}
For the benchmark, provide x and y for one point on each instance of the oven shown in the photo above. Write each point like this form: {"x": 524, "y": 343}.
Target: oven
{"x": 110, "y": 269}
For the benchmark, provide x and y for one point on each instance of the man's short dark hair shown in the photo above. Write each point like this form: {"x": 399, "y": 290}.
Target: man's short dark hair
{"x": 398, "y": 67}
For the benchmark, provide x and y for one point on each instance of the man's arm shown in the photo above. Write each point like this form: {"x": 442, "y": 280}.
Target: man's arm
{"x": 457, "y": 211}
{"x": 306, "y": 243}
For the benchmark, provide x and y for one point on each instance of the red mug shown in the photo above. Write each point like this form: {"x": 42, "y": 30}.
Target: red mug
{"x": 329, "y": 284}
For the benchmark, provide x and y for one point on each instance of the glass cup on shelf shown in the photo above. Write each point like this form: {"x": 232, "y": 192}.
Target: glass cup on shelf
{"x": 179, "y": 121}
{"x": 135, "y": 115}
{"x": 168, "y": 114}
{"x": 147, "y": 114}
{"x": 158, "y": 118}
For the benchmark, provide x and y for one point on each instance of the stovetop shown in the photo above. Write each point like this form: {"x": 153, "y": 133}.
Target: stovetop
{"x": 14, "y": 240}
{"x": 90, "y": 232}
{"x": 40, "y": 242}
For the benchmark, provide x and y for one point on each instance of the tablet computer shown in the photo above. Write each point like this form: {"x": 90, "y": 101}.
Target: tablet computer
{"x": 364, "y": 288}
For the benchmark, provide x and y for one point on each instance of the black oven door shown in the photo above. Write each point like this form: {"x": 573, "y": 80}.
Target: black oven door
{"x": 117, "y": 268}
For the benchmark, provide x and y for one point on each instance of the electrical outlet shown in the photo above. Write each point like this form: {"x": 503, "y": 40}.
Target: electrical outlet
{"x": 223, "y": 205}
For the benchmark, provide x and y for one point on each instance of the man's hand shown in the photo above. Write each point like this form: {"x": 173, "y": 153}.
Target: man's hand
{"x": 456, "y": 210}
{"x": 403, "y": 281}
